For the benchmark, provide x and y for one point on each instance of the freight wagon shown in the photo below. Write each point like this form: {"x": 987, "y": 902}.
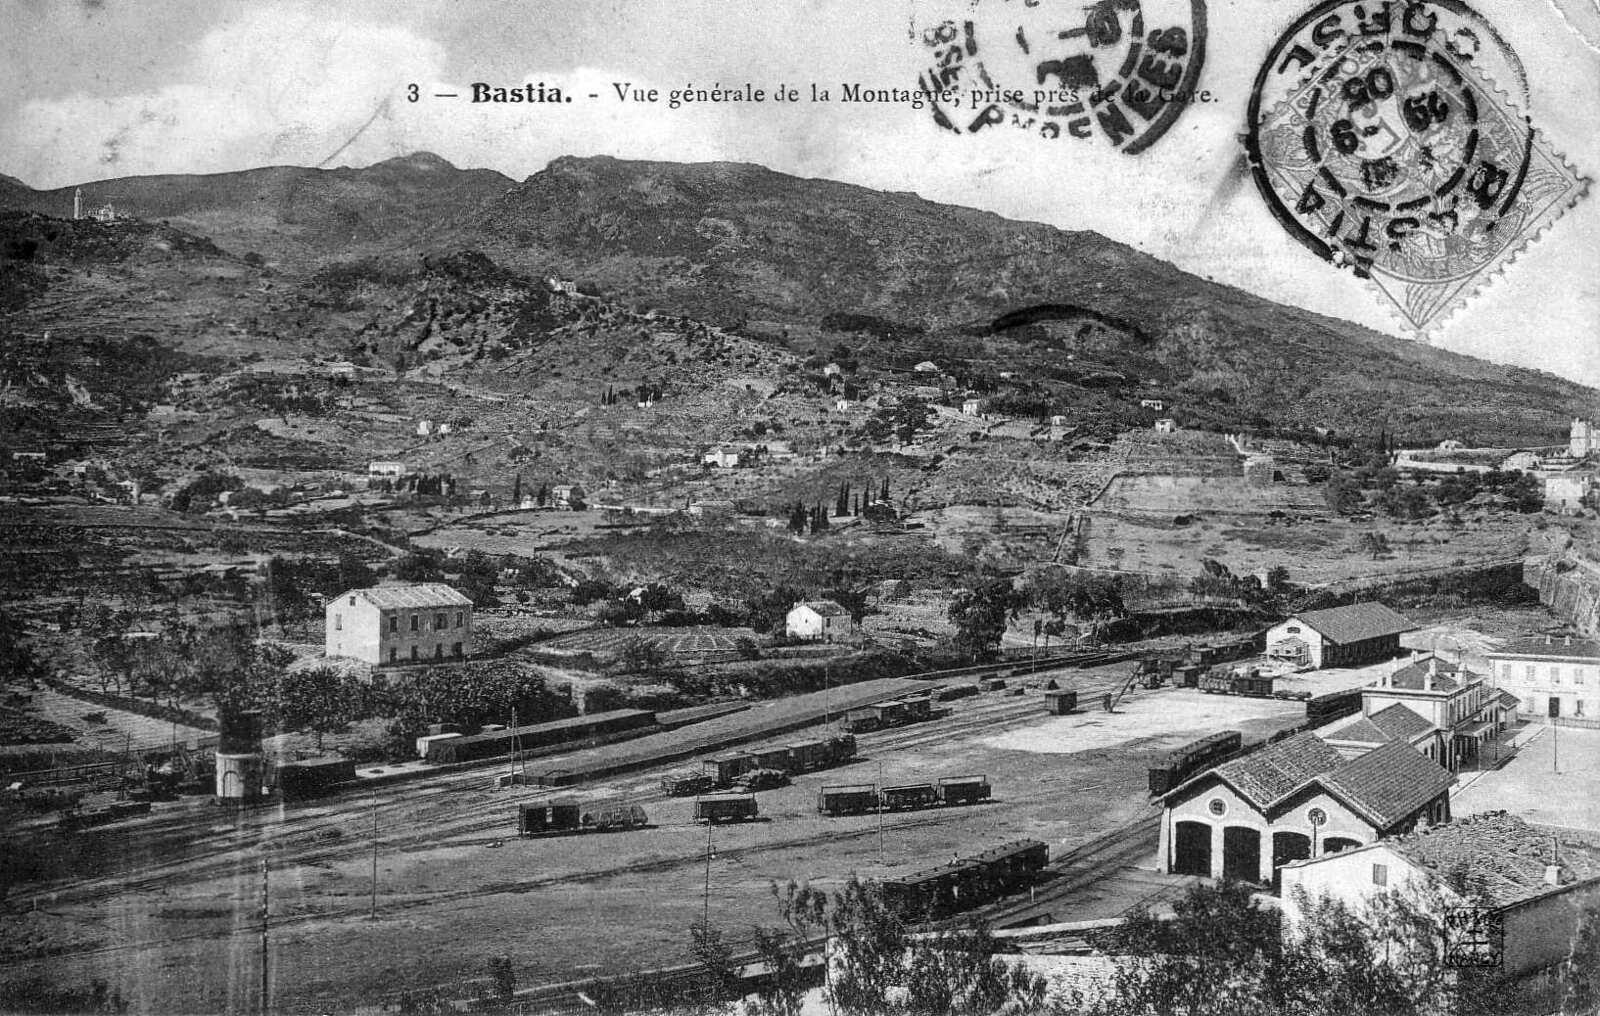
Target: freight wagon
{"x": 297, "y": 781}
{"x": 849, "y": 799}
{"x": 1332, "y": 706}
{"x": 860, "y": 798}
{"x": 1192, "y": 758}
{"x": 724, "y": 769}
{"x": 494, "y": 744}
{"x": 685, "y": 784}
{"x": 966, "y": 882}
{"x": 893, "y": 713}
{"x": 566, "y": 817}
{"x": 1244, "y": 681}
{"x": 725, "y": 808}
{"x": 1060, "y": 702}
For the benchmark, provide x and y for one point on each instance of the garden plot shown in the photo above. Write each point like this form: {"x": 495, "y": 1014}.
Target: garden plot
{"x": 692, "y": 641}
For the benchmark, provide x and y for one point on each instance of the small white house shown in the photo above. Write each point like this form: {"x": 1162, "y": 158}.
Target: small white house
{"x": 972, "y": 407}
{"x": 823, "y": 620}
{"x": 722, "y": 458}
{"x": 842, "y": 405}
{"x": 1155, "y": 404}
{"x": 398, "y": 625}
{"x": 832, "y": 370}
{"x": 383, "y": 469}
{"x": 1166, "y": 425}
{"x": 926, "y": 367}
{"x": 424, "y": 428}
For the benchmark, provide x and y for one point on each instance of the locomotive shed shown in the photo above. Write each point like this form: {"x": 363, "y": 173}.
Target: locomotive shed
{"x": 455, "y": 882}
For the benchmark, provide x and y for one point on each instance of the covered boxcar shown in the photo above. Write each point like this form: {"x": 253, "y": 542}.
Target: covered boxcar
{"x": 918, "y": 707}
{"x": 773, "y": 758}
{"x": 848, "y": 799}
{"x": 1194, "y": 757}
{"x": 725, "y": 808}
{"x": 954, "y": 790}
{"x": 1251, "y": 681}
{"x": 909, "y": 796}
{"x": 1060, "y": 702}
{"x": 808, "y": 755}
{"x": 724, "y": 769}
{"x": 543, "y": 818}
{"x": 1332, "y": 706}
{"x": 313, "y": 777}
{"x": 613, "y": 818}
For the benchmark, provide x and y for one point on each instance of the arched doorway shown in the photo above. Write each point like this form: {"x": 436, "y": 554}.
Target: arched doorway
{"x": 1334, "y": 844}
{"x": 1241, "y": 853}
{"x": 1287, "y": 847}
{"x": 1192, "y": 853}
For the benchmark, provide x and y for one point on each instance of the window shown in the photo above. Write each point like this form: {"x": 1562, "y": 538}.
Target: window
{"x": 458, "y": 618}
{"x": 1555, "y": 676}
{"x": 413, "y": 649}
{"x": 1577, "y": 707}
{"x": 1577, "y": 675}
{"x": 394, "y": 622}
{"x": 438, "y": 622}
{"x": 1217, "y": 806}
{"x": 352, "y": 601}
{"x": 438, "y": 650}
{"x": 1505, "y": 671}
{"x": 393, "y": 652}
{"x": 1528, "y": 673}
{"x": 1380, "y": 874}
{"x": 338, "y": 622}
{"x": 455, "y": 649}
{"x": 413, "y": 622}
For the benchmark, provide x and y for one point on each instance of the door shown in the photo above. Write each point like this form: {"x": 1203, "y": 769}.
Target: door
{"x": 1192, "y": 854}
{"x": 1555, "y": 706}
{"x": 1241, "y": 854}
{"x": 1287, "y": 847}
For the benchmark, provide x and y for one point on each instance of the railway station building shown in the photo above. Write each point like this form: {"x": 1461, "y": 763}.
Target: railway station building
{"x": 400, "y": 625}
{"x": 1444, "y": 710}
{"x": 1297, "y": 799}
{"x": 1551, "y": 676}
{"x": 1348, "y": 636}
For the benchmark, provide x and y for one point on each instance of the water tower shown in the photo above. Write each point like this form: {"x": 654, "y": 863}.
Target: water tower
{"x": 240, "y": 768}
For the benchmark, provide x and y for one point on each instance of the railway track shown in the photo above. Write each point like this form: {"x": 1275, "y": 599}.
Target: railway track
{"x": 303, "y": 836}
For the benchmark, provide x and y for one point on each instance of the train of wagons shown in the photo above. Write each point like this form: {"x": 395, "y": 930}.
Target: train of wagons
{"x": 724, "y": 771}
{"x": 1194, "y": 757}
{"x": 565, "y": 817}
{"x": 966, "y": 882}
{"x": 860, "y": 799}
{"x": 889, "y": 713}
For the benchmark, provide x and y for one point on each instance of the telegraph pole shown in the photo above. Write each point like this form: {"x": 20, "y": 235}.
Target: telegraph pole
{"x": 880, "y": 813}
{"x": 374, "y": 915}
{"x": 705, "y": 913}
{"x": 265, "y": 907}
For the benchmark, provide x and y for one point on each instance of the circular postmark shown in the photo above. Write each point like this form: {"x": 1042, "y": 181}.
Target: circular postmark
{"x": 1379, "y": 141}
{"x": 1121, "y": 70}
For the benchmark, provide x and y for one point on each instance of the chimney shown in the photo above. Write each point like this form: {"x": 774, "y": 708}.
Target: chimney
{"x": 1569, "y": 640}
{"x": 1427, "y": 675}
{"x": 1552, "y": 874}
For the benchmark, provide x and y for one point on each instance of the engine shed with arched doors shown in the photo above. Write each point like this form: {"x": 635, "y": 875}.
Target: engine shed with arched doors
{"x": 1297, "y": 799}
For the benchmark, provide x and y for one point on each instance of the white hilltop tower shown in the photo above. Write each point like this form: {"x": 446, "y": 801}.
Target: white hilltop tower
{"x": 77, "y": 203}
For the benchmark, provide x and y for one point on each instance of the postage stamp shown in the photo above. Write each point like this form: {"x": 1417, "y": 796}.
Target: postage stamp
{"x": 1474, "y": 937}
{"x": 1380, "y": 142}
{"x": 1119, "y": 70}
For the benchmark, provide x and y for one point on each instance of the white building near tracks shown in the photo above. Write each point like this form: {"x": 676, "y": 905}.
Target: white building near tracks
{"x": 400, "y": 625}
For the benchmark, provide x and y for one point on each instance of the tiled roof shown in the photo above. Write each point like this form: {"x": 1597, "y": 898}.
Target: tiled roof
{"x": 1400, "y": 720}
{"x": 1546, "y": 646}
{"x": 1497, "y": 855}
{"x": 1356, "y": 622}
{"x": 1388, "y": 784}
{"x": 1509, "y": 699}
{"x": 826, "y": 608}
{"x": 428, "y": 594}
{"x": 1362, "y": 731}
{"x": 1272, "y": 773}
{"x": 1446, "y": 676}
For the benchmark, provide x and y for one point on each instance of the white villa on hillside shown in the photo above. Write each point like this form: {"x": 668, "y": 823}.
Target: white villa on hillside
{"x": 396, "y": 625}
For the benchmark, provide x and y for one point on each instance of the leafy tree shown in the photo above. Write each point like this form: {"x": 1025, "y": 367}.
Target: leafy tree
{"x": 1375, "y": 544}
{"x": 502, "y": 978}
{"x": 980, "y": 616}
{"x": 320, "y": 699}
{"x": 645, "y": 656}
{"x": 421, "y": 565}
{"x": 769, "y": 610}
{"x": 1342, "y": 494}
{"x": 718, "y": 982}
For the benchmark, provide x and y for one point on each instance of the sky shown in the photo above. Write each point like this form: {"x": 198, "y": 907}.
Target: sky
{"x": 109, "y": 88}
